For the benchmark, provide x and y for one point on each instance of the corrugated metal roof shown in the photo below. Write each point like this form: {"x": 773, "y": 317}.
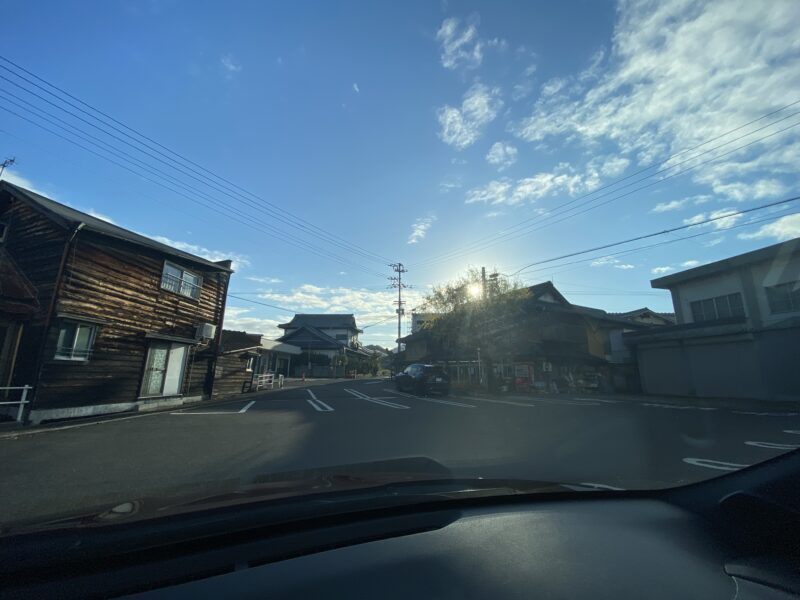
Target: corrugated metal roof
{"x": 71, "y": 217}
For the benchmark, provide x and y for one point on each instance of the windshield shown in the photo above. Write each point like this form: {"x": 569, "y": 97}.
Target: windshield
{"x": 287, "y": 249}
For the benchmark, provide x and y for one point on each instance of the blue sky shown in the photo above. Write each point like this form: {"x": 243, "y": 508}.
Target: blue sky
{"x": 414, "y": 129}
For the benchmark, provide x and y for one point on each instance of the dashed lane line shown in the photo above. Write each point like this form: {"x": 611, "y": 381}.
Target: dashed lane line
{"x": 362, "y": 396}
{"x": 495, "y": 401}
{"x": 434, "y": 400}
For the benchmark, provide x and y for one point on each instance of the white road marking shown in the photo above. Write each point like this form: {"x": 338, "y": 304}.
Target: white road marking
{"x": 435, "y": 400}
{"x": 598, "y": 400}
{"x": 372, "y": 382}
{"x": 247, "y": 406}
{"x": 310, "y": 393}
{"x": 498, "y": 401}
{"x": 792, "y": 431}
{"x": 222, "y": 412}
{"x": 773, "y": 446}
{"x": 714, "y": 464}
{"x": 362, "y": 396}
{"x": 319, "y": 405}
{"x": 581, "y": 487}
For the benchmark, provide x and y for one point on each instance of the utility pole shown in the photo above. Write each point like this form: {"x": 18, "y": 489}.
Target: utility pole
{"x": 483, "y": 283}
{"x": 6, "y": 163}
{"x": 397, "y": 282}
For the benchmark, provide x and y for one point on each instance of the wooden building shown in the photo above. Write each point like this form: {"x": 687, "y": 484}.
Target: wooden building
{"x": 100, "y": 319}
{"x": 244, "y": 356}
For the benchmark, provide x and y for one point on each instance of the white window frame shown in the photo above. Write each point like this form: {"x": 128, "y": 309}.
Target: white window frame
{"x": 70, "y": 355}
{"x": 250, "y": 364}
{"x": 181, "y": 281}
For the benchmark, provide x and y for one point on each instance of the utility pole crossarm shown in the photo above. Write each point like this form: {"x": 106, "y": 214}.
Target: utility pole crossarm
{"x": 397, "y": 282}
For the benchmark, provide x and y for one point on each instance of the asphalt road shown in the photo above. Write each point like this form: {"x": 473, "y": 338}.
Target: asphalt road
{"x": 629, "y": 444}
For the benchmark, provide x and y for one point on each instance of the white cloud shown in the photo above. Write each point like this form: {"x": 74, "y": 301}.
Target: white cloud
{"x": 238, "y": 260}
{"x": 493, "y": 214}
{"x": 562, "y": 179}
{"x": 661, "y": 270}
{"x": 420, "y": 229}
{"x": 614, "y": 166}
{"x": 625, "y": 266}
{"x": 714, "y": 241}
{"x": 99, "y": 215}
{"x": 603, "y": 261}
{"x": 668, "y": 206}
{"x": 264, "y": 279}
{"x": 229, "y": 64}
{"x": 678, "y": 74}
{"x": 688, "y": 264}
{"x": 785, "y": 228}
{"x": 448, "y": 185}
{"x": 460, "y": 44}
{"x": 722, "y": 220}
{"x": 241, "y": 319}
{"x": 461, "y": 127}
{"x": 356, "y": 88}
{"x": 694, "y": 220}
{"x": 342, "y": 272}
{"x": 502, "y": 155}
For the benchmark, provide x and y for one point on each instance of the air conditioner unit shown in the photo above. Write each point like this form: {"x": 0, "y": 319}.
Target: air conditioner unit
{"x": 205, "y": 331}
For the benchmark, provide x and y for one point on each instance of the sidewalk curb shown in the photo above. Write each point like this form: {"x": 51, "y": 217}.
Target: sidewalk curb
{"x": 14, "y": 430}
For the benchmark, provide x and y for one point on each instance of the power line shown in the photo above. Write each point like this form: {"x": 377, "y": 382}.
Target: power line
{"x": 628, "y": 251}
{"x": 289, "y": 310}
{"x": 510, "y": 233}
{"x": 246, "y": 219}
{"x": 657, "y": 233}
{"x": 378, "y": 322}
{"x": 290, "y": 219}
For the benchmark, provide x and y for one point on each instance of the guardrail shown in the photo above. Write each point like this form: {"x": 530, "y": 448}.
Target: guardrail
{"x": 22, "y": 401}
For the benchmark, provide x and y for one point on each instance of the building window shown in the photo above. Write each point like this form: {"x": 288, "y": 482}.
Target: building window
{"x": 75, "y": 341}
{"x": 180, "y": 281}
{"x": 721, "y": 307}
{"x": 784, "y": 297}
{"x": 251, "y": 361}
{"x": 3, "y": 231}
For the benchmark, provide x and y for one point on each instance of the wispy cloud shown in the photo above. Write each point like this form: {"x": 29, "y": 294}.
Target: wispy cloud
{"x": 420, "y": 229}
{"x": 661, "y": 270}
{"x": 461, "y": 127}
{"x": 238, "y": 260}
{"x": 460, "y": 46}
{"x": 723, "y": 221}
{"x": 562, "y": 179}
{"x": 688, "y": 264}
{"x": 493, "y": 214}
{"x": 785, "y": 228}
{"x": 356, "y": 89}
{"x": 625, "y": 266}
{"x": 449, "y": 184}
{"x": 264, "y": 279}
{"x": 680, "y": 75}
{"x": 669, "y": 206}
{"x": 502, "y": 155}
{"x": 230, "y": 65}
{"x": 606, "y": 261}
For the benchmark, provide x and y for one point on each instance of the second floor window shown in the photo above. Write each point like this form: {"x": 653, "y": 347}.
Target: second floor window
{"x": 75, "y": 341}
{"x": 721, "y": 307}
{"x": 180, "y": 281}
{"x": 784, "y": 297}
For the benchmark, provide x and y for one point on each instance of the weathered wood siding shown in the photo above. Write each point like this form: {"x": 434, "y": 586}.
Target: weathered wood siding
{"x": 231, "y": 375}
{"x": 120, "y": 283}
{"x": 37, "y": 245}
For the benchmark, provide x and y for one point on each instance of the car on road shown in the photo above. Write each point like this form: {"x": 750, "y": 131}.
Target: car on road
{"x": 423, "y": 379}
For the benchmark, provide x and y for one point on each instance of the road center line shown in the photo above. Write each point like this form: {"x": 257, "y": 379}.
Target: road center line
{"x": 362, "y": 396}
{"x": 435, "y": 400}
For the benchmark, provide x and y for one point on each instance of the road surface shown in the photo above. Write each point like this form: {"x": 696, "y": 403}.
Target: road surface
{"x": 579, "y": 440}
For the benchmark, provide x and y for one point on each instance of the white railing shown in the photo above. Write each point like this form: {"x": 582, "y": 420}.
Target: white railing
{"x": 266, "y": 381}
{"x": 22, "y": 401}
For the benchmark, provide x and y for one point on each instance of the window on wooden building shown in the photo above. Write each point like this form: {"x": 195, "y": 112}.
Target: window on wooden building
{"x": 75, "y": 341}
{"x": 180, "y": 281}
{"x": 251, "y": 361}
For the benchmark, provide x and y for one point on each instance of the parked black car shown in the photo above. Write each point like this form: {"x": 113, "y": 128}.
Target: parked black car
{"x": 423, "y": 379}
